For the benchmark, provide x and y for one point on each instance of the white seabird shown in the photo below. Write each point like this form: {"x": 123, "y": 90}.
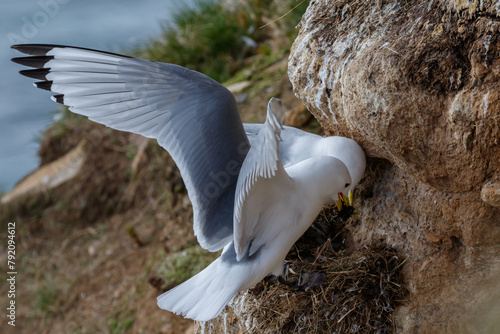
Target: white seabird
{"x": 255, "y": 188}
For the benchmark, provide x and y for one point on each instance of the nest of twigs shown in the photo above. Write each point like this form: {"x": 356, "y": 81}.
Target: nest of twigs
{"x": 329, "y": 291}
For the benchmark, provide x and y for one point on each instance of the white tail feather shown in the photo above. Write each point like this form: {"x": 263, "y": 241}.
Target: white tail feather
{"x": 205, "y": 295}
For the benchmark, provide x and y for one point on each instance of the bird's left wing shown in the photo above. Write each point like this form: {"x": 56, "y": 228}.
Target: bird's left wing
{"x": 262, "y": 179}
{"x": 192, "y": 116}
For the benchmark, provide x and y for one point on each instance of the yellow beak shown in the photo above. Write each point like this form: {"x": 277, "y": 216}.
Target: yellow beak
{"x": 345, "y": 201}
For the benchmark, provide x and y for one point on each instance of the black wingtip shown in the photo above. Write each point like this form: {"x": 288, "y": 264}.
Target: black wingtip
{"x": 34, "y": 49}
{"x": 59, "y": 98}
{"x": 36, "y": 61}
{"x": 43, "y": 49}
{"x": 47, "y": 85}
{"x": 39, "y": 73}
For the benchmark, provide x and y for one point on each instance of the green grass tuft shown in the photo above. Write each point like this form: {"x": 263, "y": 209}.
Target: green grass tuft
{"x": 210, "y": 38}
{"x": 121, "y": 323}
{"x": 46, "y": 297}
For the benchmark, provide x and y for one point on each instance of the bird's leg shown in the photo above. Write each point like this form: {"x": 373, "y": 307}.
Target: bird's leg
{"x": 284, "y": 277}
{"x": 286, "y": 269}
{"x": 285, "y": 282}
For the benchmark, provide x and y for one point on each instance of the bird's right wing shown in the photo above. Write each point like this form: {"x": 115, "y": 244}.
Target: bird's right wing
{"x": 261, "y": 185}
{"x": 192, "y": 116}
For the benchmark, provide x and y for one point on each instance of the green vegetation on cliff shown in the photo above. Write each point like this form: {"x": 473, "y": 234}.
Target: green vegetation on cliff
{"x": 219, "y": 38}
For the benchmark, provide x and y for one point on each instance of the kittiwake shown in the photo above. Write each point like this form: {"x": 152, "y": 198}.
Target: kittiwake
{"x": 254, "y": 188}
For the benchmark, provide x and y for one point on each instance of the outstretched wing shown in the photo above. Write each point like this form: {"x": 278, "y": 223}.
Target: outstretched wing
{"x": 192, "y": 116}
{"x": 262, "y": 179}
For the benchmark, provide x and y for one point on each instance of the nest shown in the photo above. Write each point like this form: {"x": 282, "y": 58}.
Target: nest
{"x": 329, "y": 291}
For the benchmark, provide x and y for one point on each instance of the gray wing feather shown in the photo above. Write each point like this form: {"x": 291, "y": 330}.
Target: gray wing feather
{"x": 262, "y": 162}
{"x": 192, "y": 116}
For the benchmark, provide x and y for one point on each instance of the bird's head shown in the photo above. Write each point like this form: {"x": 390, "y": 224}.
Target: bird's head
{"x": 336, "y": 180}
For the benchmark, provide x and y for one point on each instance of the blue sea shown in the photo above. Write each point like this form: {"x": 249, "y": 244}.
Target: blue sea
{"x": 110, "y": 25}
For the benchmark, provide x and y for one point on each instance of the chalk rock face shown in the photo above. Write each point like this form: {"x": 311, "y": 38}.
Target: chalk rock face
{"x": 417, "y": 84}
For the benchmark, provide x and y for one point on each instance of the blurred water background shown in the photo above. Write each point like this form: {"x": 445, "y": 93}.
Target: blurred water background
{"x": 110, "y": 25}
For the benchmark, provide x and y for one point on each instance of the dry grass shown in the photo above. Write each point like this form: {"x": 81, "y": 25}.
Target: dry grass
{"x": 329, "y": 291}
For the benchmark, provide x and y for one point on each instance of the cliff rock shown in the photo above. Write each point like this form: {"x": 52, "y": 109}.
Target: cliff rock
{"x": 416, "y": 83}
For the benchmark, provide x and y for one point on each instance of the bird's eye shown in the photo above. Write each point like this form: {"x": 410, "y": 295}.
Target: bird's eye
{"x": 347, "y": 185}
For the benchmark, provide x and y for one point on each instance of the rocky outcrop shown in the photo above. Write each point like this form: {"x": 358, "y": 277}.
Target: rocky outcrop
{"x": 416, "y": 83}
{"x": 50, "y": 175}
